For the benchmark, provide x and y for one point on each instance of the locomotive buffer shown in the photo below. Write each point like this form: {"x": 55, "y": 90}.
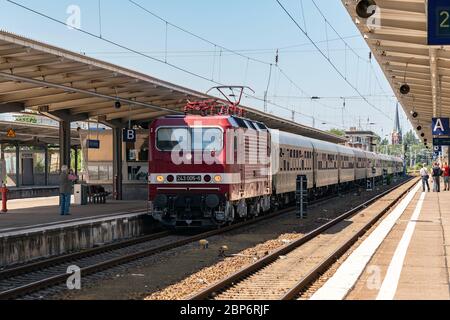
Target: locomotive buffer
{"x": 301, "y": 196}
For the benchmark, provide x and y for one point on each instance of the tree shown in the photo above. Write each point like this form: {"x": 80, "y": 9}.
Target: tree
{"x": 410, "y": 138}
{"x": 337, "y": 132}
{"x": 26, "y": 119}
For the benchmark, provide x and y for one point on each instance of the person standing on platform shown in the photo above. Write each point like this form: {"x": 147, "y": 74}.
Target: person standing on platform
{"x": 65, "y": 191}
{"x": 437, "y": 172}
{"x": 425, "y": 176}
{"x": 446, "y": 174}
{"x": 72, "y": 176}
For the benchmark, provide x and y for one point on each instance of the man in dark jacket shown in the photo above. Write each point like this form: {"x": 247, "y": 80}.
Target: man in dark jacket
{"x": 437, "y": 172}
{"x": 65, "y": 191}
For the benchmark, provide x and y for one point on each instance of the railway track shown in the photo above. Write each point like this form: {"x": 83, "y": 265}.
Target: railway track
{"x": 287, "y": 272}
{"x": 30, "y": 278}
{"x": 26, "y": 279}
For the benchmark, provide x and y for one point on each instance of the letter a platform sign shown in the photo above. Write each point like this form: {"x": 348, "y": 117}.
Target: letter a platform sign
{"x": 438, "y": 22}
{"x": 440, "y": 126}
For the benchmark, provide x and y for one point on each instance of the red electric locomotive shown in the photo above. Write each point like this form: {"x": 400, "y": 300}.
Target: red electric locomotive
{"x": 210, "y": 168}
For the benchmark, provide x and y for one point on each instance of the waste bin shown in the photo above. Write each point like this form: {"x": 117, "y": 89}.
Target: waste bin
{"x": 81, "y": 194}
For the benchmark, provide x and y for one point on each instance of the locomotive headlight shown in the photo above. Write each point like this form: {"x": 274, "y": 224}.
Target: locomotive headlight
{"x": 218, "y": 179}
{"x": 160, "y": 179}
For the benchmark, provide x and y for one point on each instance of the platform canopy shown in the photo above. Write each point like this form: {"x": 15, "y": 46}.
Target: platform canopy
{"x": 31, "y": 134}
{"x": 397, "y": 36}
{"x": 63, "y": 84}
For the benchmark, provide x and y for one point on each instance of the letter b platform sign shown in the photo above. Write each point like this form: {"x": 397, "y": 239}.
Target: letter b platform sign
{"x": 129, "y": 135}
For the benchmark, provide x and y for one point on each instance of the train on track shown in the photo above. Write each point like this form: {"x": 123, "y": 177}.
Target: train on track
{"x": 211, "y": 170}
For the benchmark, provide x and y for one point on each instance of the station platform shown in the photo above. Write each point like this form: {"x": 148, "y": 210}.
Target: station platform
{"x": 32, "y": 192}
{"x": 406, "y": 256}
{"x": 39, "y": 212}
{"x": 32, "y": 228}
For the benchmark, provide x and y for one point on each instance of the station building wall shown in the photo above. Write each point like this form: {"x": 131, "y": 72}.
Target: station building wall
{"x": 98, "y": 163}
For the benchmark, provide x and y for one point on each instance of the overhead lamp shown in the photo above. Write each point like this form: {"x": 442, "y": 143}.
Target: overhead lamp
{"x": 422, "y": 134}
{"x": 366, "y": 8}
{"x": 419, "y": 128}
{"x": 405, "y": 89}
{"x": 414, "y": 114}
{"x": 117, "y": 104}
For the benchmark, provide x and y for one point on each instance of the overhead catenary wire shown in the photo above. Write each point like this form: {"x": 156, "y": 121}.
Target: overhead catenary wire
{"x": 100, "y": 18}
{"x": 331, "y": 62}
{"x": 341, "y": 38}
{"x": 303, "y": 15}
{"x": 200, "y": 53}
{"x": 191, "y": 33}
{"x": 222, "y": 48}
{"x": 114, "y": 43}
{"x": 290, "y": 110}
{"x": 369, "y": 61}
{"x": 140, "y": 53}
{"x": 136, "y": 51}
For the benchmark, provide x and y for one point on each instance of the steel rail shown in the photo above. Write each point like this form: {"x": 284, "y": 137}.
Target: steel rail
{"x": 54, "y": 280}
{"x": 265, "y": 261}
{"x": 61, "y": 278}
{"x": 326, "y": 263}
{"x": 50, "y": 262}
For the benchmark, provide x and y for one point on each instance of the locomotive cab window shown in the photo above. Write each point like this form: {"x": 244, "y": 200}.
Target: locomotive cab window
{"x": 167, "y": 139}
{"x": 207, "y": 139}
{"x": 187, "y": 139}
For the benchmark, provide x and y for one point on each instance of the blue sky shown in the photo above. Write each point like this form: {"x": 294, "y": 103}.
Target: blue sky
{"x": 254, "y": 28}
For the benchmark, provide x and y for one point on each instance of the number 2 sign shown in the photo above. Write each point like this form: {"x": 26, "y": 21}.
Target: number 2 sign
{"x": 444, "y": 25}
{"x": 438, "y": 22}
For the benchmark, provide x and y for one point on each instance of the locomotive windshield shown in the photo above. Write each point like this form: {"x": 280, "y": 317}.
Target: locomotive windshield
{"x": 188, "y": 139}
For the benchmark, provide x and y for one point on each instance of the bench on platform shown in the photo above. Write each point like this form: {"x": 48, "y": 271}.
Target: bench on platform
{"x": 97, "y": 194}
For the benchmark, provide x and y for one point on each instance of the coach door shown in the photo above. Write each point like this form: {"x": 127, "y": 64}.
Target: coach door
{"x": 314, "y": 166}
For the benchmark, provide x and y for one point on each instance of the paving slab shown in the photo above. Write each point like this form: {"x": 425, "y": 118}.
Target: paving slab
{"x": 425, "y": 270}
{"x": 37, "y": 212}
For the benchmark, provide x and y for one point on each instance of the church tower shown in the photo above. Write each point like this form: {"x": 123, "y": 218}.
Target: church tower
{"x": 397, "y": 133}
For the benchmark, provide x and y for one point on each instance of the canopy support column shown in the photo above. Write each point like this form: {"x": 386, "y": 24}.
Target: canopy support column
{"x": 117, "y": 163}
{"x": 64, "y": 143}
